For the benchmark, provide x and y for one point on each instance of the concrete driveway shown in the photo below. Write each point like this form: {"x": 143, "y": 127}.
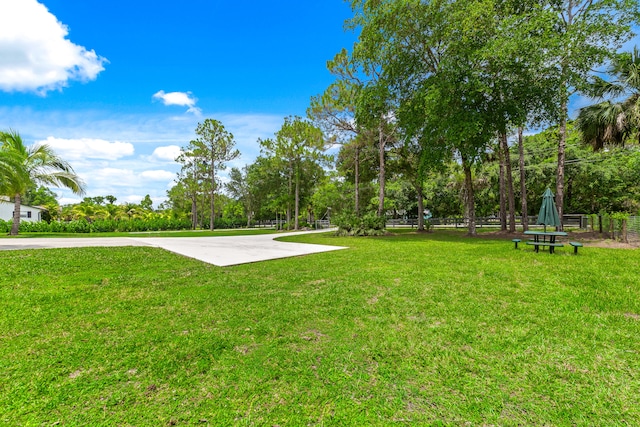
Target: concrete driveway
{"x": 221, "y": 251}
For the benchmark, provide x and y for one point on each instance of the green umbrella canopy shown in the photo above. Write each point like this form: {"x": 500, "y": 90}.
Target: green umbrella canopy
{"x": 548, "y": 212}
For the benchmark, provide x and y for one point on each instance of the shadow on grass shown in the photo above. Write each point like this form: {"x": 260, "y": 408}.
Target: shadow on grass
{"x": 408, "y": 235}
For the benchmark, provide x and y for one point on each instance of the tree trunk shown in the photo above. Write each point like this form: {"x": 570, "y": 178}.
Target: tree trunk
{"x": 502, "y": 185}
{"x": 470, "y": 208}
{"x": 194, "y": 211}
{"x": 381, "y": 144}
{"x": 357, "y": 179}
{"x": 297, "y": 201}
{"x": 600, "y": 223}
{"x": 15, "y": 226}
{"x": 194, "y": 201}
{"x": 212, "y": 176}
{"x": 202, "y": 203}
{"x": 249, "y": 211}
{"x": 289, "y": 197}
{"x": 568, "y": 193}
{"x": 509, "y": 183}
{"x": 523, "y": 184}
{"x": 612, "y": 228}
{"x": 419, "y": 190}
{"x": 562, "y": 142}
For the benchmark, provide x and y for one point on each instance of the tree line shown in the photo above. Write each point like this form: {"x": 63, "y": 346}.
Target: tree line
{"x": 597, "y": 181}
{"x": 278, "y": 182}
{"x": 449, "y": 80}
{"x": 425, "y": 111}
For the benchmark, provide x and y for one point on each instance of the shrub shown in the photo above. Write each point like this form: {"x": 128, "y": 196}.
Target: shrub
{"x": 351, "y": 225}
{"x": 99, "y": 226}
{"x": 5, "y": 226}
{"x": 230, "y": 222}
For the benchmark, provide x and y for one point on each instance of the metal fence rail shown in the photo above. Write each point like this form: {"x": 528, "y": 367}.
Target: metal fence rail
{"x": 633, "y": 226}
{"x": 576, "y": 220}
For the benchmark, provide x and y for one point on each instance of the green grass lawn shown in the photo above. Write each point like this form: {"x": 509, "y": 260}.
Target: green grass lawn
{"x": 430, "y": 329}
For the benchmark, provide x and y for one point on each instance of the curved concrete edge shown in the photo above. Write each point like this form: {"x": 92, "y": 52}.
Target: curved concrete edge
{"x": 225, "y": 251}
{"x": 221, "y": 251}
{"x": 67, "y": 242}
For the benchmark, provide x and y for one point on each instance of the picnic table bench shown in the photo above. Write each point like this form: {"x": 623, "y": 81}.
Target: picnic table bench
{"x": 551, "y": 243}
{"x": 575, "y": 245}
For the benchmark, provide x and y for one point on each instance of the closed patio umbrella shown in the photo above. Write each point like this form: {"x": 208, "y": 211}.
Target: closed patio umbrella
{"x": 548, "y": 212}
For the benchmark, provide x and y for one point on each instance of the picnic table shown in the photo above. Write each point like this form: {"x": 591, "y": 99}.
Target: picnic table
{"x": 551, "y": 243}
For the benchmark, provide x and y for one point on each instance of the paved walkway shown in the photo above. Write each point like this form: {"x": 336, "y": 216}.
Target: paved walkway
{"x": 221, "y": 251}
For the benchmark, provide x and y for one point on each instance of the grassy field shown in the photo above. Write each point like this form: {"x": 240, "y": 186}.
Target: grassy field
{"x": 409, "y": 329}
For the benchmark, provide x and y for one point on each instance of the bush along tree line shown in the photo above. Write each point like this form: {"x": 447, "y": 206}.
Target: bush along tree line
{"x": 95, "y": 214}
{"x": 604, "y": 182}
{"x": 429, "y": 110}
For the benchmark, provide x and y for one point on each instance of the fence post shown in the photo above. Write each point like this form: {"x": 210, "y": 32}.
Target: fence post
{"x": 583, "y": 222}
{"x": 600, "y": 223}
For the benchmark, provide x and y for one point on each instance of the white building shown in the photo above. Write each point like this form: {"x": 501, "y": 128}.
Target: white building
{"x": 27, "y": 213}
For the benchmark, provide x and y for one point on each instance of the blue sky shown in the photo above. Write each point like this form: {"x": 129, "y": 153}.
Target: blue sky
{"x": 116, "y": 87}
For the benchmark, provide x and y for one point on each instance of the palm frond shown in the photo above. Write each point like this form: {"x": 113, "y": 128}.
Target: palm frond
{"x": 24, "y": 166}
{"x": 604, "y": 123}
{"x": 626, "y": 67}
{"x": 614, "y": 121}
{"x": 62, "y": 179}
{"x": 600, "y": 88}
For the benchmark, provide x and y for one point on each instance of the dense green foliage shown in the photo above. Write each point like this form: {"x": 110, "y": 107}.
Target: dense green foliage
{"x": 456, "y": 76}
{"x": 603, "y": 181}
{"x": 296, "y": 154}
{"x": 447, "y": 331}
{"x": 201, "y": 160}
{"x": 100, "y": 225}
{"x": 350, "y": 224}
{"x": 595, "y": 181}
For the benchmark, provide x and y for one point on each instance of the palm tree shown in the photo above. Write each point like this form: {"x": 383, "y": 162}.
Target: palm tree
{"x": 8, "y": 165}
{"x": 614, "y": 121}
{"x": 89, "y": 211}
{"x": 116, "y": 212}
{"x": 34, "y": 165}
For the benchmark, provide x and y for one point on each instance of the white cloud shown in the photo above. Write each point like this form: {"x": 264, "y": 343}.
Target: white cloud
{"x": 183, "y": 99}
{"x": 166, "y": 154}
{"x": 152, "y": 141}
{"x": 113, "y": 176}
{"x": 132, "y": 198}
{"x": 158, "y": 175}
{"x": 87, "y": 148}
{"x": 63, "y": 201}
{"x": 35, "y": 54}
